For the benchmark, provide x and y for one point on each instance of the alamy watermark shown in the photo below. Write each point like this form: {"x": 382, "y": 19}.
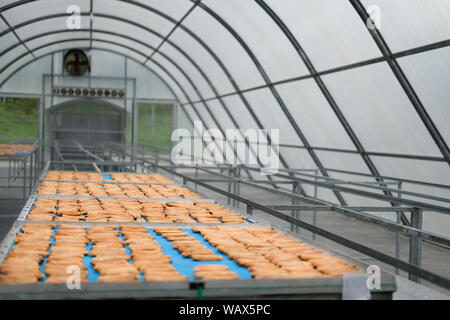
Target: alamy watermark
{"x": 374, "y": 20}
{"x": 73, "y": 281}
{"x": 252, "y": 147}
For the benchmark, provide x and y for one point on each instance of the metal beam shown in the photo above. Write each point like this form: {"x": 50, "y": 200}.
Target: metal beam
{"x": 173, "y": 29}
{"x": 403, "y": 81}
{"x": 410, "y": 268}
{"x": 326, "y": 93}
{"x": 274, "y": 92}
{"x": 145, "y": 44}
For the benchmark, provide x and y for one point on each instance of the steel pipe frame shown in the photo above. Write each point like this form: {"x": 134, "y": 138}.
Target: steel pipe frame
{"x": 417, "y": 182}
{"x": 322, "y": 87}
{"x": 335, "y": 181}
{"x": 349, "y": 211}
{"x": 433, "y": 46}
{"x": 320, "y": 203}
{"x": 215, "y": 57}
{"x": 413, "y": 270}
{"x": 274, "y": 92}
{"x": 29, "y": 181}
{"x": 137, "y": 52}
{"x": 403, "y": 80}
{"x": 168, "y": 41}
{"x": 371, "y": 186}
{"x": 400, "y": 54}
{"x": 326, "y": 93}
{"x": 369, "y": 153}
{"x": 412, "y": 203}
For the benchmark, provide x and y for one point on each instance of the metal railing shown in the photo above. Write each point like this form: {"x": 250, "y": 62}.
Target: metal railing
{"x": 415, "y": 208}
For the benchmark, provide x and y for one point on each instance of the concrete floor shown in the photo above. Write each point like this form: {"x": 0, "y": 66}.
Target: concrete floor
{"x": 435, "y": 259}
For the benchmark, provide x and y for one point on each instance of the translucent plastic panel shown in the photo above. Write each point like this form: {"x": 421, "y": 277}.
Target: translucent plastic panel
{"x": 241, "y": 114}
{"x": 271, "y": 115}
{"x": 331, "y": 32}
{"x": 14, "y": 67}
{"x": 203, "y": 59}
{"x": 228, "y": 49}
{"x": 34, "y": 9}
{"x": 148, "y": 84}
{"x": 61, "y": 46}
{"x": 238, "y": 109}
{"x": 190, "y": 69}
{"x": 29, "y": 79}
{"x": 183, "y": 120}
{"x": 208, "y": 121}
{"x": 57, "y": 37}
{"x": 7, "y": 40}
{"x": 314, "y": 114}
{"x": 3, "y": 26}
{"x": 107, "y": 65}
{"x": 177, "y": 74}
{"x": 229, "y": 147}
{"x": 219, "y": 112}
{"x": 118, "y": 49}
{"x": 429, "y": 73}
{"x": 227, "y": 124}
{"x": 263, "y": 36}
{"x": 298, "y": 158}
{"x": 123, "y": 41}
{"x": 169, "y": 81}
{"x": 423, "y": 171}
{"x": 48, "y": 25}
{"x": 225, "y": 145}
{"x": 197, "y": 146}
{"x": 11, "y": 55}
{"x": 406, "y": 24}
{"x": 174, "y": 8}
{"x": 133, "y": 13}
{"x": 126, "y": 29}
{"x": 379, "y": 111}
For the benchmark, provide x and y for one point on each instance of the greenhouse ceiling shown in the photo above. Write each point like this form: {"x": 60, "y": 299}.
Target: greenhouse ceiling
{"x": 367, "y": 81}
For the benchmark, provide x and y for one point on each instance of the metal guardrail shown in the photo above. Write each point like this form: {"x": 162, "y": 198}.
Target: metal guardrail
{"x": 414, "y": 232}
{"x": 23, "y": 169}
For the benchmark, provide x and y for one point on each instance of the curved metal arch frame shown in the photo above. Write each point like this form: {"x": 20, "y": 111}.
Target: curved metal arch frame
{"x": 403, "y": 81}
{"x": 192, "y": 34}
{"x": 214, "y": 56}
{"x": 201, "y": 5}
{"x": 139, "y": 53}
{"x": 328, "y": 96}
{"x": 275, "y": 93}
{"x": 177, "y": 99}
{"x": 150, "y": 47}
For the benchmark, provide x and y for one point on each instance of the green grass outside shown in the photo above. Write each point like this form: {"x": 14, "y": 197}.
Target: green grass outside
{"x": 18, "y": 119}
{"x": 159, "y": 136}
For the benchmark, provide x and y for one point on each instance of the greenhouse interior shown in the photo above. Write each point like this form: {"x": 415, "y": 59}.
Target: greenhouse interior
{"x": 225, "y": 149}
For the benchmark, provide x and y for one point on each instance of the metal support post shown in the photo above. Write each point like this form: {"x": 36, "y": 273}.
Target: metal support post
{"x": 196, "y": 177}
{"x": 249, "y": 210}
{"x": 24, "y": 178}
{"x": 295, "y": 213}
{"x": 316, "y": 173}
{"x": 234, "y": 185}
{"x": 397, "y": 233}
{"x": 229, "y": 186}
{"x": 415, "y": 243}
